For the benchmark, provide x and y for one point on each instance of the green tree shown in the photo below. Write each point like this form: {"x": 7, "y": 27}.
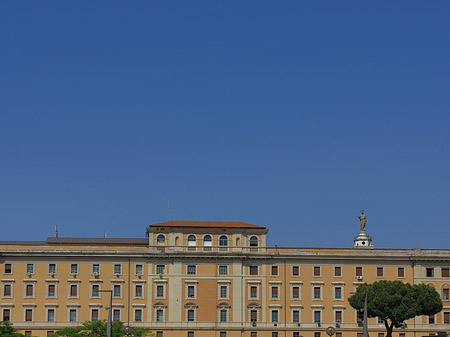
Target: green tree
{"x": 395, "y": 301}
{"x": 98, "y": 329}
{"x": 7, "y": 330}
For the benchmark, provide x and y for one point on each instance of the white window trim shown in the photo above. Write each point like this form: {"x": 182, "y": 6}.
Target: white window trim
{"x": 114, "y": 269}
{"x": 341, "y": 309}
{"x": 47, "y": 284}
{"x": 12, "y": 269}
{"x": 95, "y": 307}
{"x": 278, "y": 270}
{"x": 188, "y": 283}
{"x": 156, "y": 307}
{"x": 134, "y": 314}
{"x": 26, "y": 269}
{"x": 314, "y": 285}
{"x": 337, "y": 285}
{"x": 376, "y": 272}
{"x": 299, "y": 309}
{"x": 296, "y": 284}
{"x": 223, "y": 265}
{"x": 250, "y": 285}
{"x": 91, "y": 290}
{"x": 99, "y": 269}
{"x": 117, "y": 307}
{"x": 56, "y": 269}
{"x": 113, "y": 285}
{"x": 28, "y": 306}
{"x": 156, "y": 269}
{"x": 142, "y": 284}
{"x": 190, "y": 265}
{"x": 77, "y": 284}
{"x": 53, "y": 307}
{"x": 334, "y": 271}
{"x": 223, "y": 284}
{"x": 135, "y": 269}
{"x": 25, "y": 284}
{"x": 70, "y": 268}
{"x": 292, "y": 270}
{"x": 226, "y": 307}
{"x": 320, "y": 271}
{"x": 7, "y": 282}
{"x": 190, "y": 306}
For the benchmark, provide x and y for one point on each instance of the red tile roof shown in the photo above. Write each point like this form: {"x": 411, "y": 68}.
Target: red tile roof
{"x": 98, "y": 241}
{"x": 207, "y": 224}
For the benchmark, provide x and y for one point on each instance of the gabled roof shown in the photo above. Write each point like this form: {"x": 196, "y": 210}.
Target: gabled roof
{"x": 206, "y": 224}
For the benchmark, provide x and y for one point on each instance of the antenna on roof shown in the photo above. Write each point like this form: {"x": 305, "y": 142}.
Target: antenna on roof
{"x": 168, "y": 209}
{"x": 56, "y": 231}
{"x": 104, "y": 234}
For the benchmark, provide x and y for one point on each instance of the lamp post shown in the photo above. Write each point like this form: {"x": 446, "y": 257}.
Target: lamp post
{"x": 109, "y": 324}
{"x": 128, "y": 331}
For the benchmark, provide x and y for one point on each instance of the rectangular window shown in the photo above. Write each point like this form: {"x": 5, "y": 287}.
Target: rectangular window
{"x": 159, "y": 333}
{"x": 274, "y": 334}
{"x": 52, "y": 268}
{"x": 95, "y": 290}
{"x": 316, "y": 316}
{"x": 445, "y": 294}
{"x": 28, "y": 333}
{"x": 51, "y": 290}
{"x": 358, "y": 271}
{"x": 296, "y": 334}
{"x": 190, "y": 315}
{"x": 28, "y": 315}
{"x": 274, "y": 271}
{"x": 446, "y": 317}
{"x": 296, "y": 292}
{"x": 296, "y": 316}
{"x": 160, "y": 269}
{"x": 274, "y": 315}
{"x": 380, "y": 320}
{"x": 253, "y": 315}
{"x": 159, "y": 291}
{"x": 159, "y": 315}
{"x": 6, "y": 315}
{"x": 6, "y": 290}
{"x": 223, "y": 291}
{"x": 380, "y": 272}
{"x": 223, "y": 270}
{"x": 253, "y": 334}
{"x": 431, "y": 319}
{"x": 400, "y": 272}
{"x": 275, "y": 292}
{"x": 223, "y": 315}
{"x": 8, "y": 268}
{"x": 338, "y": 316}
{"x": 316, "y": 271}
{"x": 191, "y": 270}
{"x": 138, "y": 270}
{"x": 117, "y": 292}
{"x": 380, "y": 334}
{"x": 223, "y": 334}
{"x": 94, "y": 315}
{"x": 337, "y": 292}
{"x": 190, "y": 334}
{"x": 317, "y": 292}
{"x": 253, "y": 292}
{"x": 338, "y": 271}
{"x": 95, "y": 269}
{"x": 74, "y": 268}
{"x": 73, "y": 290}
{"x": 29, "y": 290}
{"x": 117, "y": 269}
{"x": 430, "y": 272}
{"x": 50, "y": 315}
{"x": 30, "y": 268}
{"x": 445, "y": 272}
{"x": 295, "y": 270}
{"x": 338, "y": 334}
{"x": 72, "y": 315}
{"x": 138, "y": 290}
{"x": 138, "y": 315}
{"x": 253, "y": 270}
{"x": 116, "y": 315}
{"x": 191, "y": 291}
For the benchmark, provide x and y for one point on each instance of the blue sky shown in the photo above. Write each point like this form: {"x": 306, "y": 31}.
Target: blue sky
{"x": 294, "y": 115}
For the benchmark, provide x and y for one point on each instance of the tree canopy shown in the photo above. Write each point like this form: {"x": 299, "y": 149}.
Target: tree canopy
{"x": 395, "y": 301}
{"x": 7, "y": 330}
{"x": 98, "y": 329}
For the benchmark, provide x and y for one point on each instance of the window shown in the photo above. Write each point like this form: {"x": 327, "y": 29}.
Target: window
{"x": 401, "y": 334}
{"x": 274, "y": 315}
{"x": 295, "y": 270}
{"x": 253, "y": 315}
{"x": 223, "y": 270}
{"x": 316, "y": 271}
{"x": 95, "y": 290}
{"x": 73, "y": 315}
{"x": 274, "y": 334}
{"x": 274, "y": 271}
{"x": 27, "y": 333}
{"x": 116, "y": 315}
{"x": 253, "y": 270}
{"x": 316, "y": 292}
{"x": 192, "y": 242}
{"x": 138, "y": 315}
{"x": 316, "y": 316}
{"x": 6, "y": 315}
{"x": 445, "y": 294}
{"x": 339, "y": 334}
{"x": 160, "y": 269}
{"x": 52, "y": 268}
{"x": 191, "y": 291}
{"x": 190, "y": 334}
{"x": 296, "y": 316}
{"x": 337, "y": 271}
{"x": 73, "y": 290}
{"x": 445, "y": 272}
{"x": 30, "y": 268}
{"x": 400, "y": 272}
{"x": 8, "y": 268}
{"x": 190, "y": 315}
{"x": 28, "y": 315}
{"x": 223, "y": 242}
{"x": 380, "y": 334}
{"x": 296, "y": 292}
{"x": 117, "y": 290}
{"x": 253, "y": 243}
{"x": 296, "y": 334}
{"x": 446, "y": 317}
{"x": 138, "y": 270}
{"x": 7, "y": 290}
{"x": 74, "y": 268}
{"x": 431, "y": 319}
{"x": 191, "y": 270}
{"x": 50, "y": 315}
{"x": 94, "y": 315}
{"x": 160, "y": 240}
{"x": 274, "y": 291}
{"x": 117, "y": 269}
{"x": 138, "y": 290}
{"x": 223, "y": 334}
{"x": 51, "y": 290}
{"x": 223, "y": 291}
{"x": 159, "y": 291}
{"x": 337, "y": 292}
{"x": 95, "y": 269}
{"x": 338, "y": 316}
{"x": 380, "y": 320}
{"x": 223, "y": 315}
{"x": 159, "y": 315}
{"x": 207, "y": 243}
{"x": 253, "y": 292}
{"x": 159, "y": 334}
{"x": 380, "y": 271}
{"x": 430, "y": 272}
{"x": 358, "y": 271}
{"x": 253, "y": 334}
{"x": 29, "y": 290}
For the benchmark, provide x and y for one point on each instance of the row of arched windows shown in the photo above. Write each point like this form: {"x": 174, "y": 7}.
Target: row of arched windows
{"x": 207, "y": 240}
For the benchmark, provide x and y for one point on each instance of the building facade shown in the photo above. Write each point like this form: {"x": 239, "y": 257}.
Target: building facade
{"x": 208, "y": 278}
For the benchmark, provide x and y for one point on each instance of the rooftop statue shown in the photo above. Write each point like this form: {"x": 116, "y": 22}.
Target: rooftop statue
{"x": 362, "y": 221}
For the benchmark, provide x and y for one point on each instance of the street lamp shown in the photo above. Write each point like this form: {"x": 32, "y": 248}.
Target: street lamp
{"x": 109, "y": 324}
{"x": 128, "y": 331}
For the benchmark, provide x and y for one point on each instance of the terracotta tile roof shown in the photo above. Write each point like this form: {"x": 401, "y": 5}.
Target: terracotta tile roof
{"x": 207, "y": 224}
{"x": 26, "y": 243}
{"x": 98, "y": 241}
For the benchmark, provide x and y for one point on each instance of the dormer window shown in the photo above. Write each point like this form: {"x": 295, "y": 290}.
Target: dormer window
{"x": 160, "y": 240}
{"x": 223, "y": 242}
{"x": 192, "y": 242}
{"x": 207, "y": 242}
{"x": 253, "y": 243}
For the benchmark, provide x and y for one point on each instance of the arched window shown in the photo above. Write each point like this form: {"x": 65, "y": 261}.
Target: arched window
{"x": 192, "y": 242}
{"x": 223, "y": 242}
{"x": 253, "y": 243}
{"x": 207, "y": 242}
{"x": 160, "y": 240}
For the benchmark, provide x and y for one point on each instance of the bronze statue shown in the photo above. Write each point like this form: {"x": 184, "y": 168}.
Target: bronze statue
{"x": 362, "y": 221}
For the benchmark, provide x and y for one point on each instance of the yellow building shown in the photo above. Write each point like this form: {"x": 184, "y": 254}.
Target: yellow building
{"x": 208, "y": 278}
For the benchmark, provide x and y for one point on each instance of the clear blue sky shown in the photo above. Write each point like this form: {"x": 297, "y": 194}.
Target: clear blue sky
{"x": 294, "y": 115}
